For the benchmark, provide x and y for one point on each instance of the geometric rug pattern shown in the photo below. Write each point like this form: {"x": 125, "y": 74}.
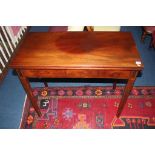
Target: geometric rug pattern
{"x": 90, "y": 108}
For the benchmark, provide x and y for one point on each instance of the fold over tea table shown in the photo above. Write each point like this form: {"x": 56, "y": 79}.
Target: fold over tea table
{"x": 78, "y": 55}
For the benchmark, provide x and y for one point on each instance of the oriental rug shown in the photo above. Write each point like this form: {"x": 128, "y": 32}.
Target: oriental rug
{"x": 90, "y": 108}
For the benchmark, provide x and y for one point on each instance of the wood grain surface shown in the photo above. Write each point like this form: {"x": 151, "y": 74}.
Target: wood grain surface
{"x": 63, "y": 50}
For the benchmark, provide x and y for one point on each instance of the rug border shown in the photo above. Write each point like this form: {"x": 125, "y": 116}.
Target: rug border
{"x": 120, "y": 86}
{"x": 73, "y": 87}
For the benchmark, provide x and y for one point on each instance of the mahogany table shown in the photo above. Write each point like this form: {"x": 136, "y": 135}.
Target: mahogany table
{"x": 77, "y": 55}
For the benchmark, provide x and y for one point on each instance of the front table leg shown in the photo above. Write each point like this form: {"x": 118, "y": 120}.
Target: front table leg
{"x": 29, "y": 92}
{"x": 127, "y": 91}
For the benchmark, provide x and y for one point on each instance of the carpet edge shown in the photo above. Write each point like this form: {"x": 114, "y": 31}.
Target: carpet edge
{"x": 21, "y": 120}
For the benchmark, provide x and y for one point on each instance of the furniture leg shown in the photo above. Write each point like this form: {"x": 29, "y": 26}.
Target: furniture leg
{"x": 45, "y": 84}
{"x": 114, "y": 85}
{"x": 28, "y": 90}
{"x": 127, "y": 91}
{"x": 151, "y": 43}
{"x": 144, "y": 33}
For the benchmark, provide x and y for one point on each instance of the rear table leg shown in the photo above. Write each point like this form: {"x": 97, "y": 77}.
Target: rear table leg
{"x": 45, "y": 84}
{"x": 114, "y": 85}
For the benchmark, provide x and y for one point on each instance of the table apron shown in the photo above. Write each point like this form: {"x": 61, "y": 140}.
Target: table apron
{"x": 75, "y": 73}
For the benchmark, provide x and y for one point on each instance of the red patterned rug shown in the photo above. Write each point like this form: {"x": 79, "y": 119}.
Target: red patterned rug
{"x": 90, "y": 107}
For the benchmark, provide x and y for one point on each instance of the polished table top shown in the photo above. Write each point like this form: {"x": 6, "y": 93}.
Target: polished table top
{"x": 67, "y": 50}
{"x": 78, "y": 55}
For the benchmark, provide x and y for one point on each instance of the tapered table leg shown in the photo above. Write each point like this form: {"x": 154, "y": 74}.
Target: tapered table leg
{"x": 29, "y": 92}
{"x": 127, "y": 91}
{"x": 45, "y": 84}
{"x": 114, "y": 85}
